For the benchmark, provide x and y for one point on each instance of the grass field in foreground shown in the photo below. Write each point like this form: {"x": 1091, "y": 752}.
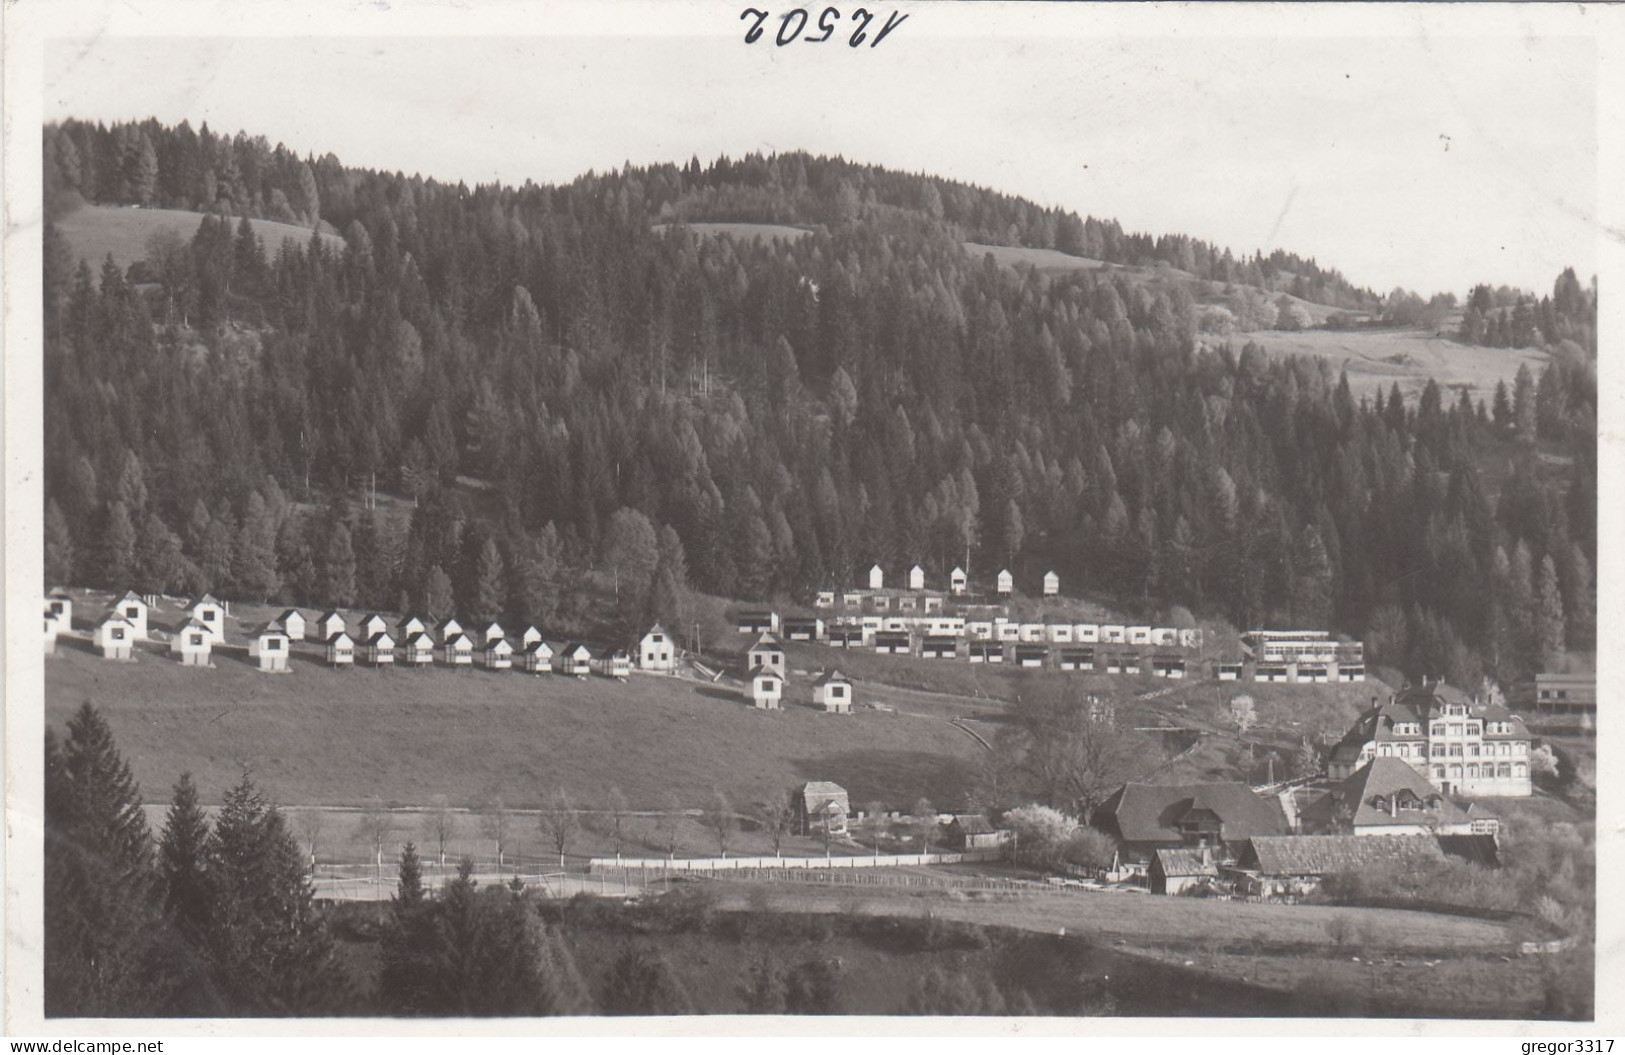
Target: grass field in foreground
{"x": 318, "y": 736}
{"x": 94, "y": 231}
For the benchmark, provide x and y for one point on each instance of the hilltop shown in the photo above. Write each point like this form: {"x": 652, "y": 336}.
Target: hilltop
{"x": 95, "y": 232}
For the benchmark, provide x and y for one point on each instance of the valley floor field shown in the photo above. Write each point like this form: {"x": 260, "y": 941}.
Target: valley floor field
{"x": 319, "y": 736}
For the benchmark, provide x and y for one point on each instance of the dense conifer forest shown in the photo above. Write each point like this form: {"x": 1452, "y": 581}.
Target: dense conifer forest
{"x": 543, "y": 379}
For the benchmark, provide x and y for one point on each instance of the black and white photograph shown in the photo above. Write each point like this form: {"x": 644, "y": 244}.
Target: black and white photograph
{"x": 902, "y": 512}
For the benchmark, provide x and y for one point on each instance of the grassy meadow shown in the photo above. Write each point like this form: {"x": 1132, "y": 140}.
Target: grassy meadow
{"x": 94, "y": 231}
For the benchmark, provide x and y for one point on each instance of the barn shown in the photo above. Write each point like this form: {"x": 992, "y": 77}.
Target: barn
{"x": 972, "y": 831}
{"x": 822, "y": 806}
{"x": 1181, "y": 869}
{"x": 192, "y": 643}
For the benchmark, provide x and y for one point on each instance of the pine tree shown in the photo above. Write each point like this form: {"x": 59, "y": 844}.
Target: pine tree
{"x": 183, "y": 863}
{"x": 338, "y": 568}
{"x": 59, "y": 552}
{"x": 436, "y": 599}
{"x": 406, "y": 978}
{"x": 255, "y": 567}
{"x": 158, "y": 559}
{"x": 1548, "y": 614}
{"x": 490, "y": 583}
{"x": 1523, "y": 405}
{"x": 118, "y": 547}
{"x": 99, "y": 919}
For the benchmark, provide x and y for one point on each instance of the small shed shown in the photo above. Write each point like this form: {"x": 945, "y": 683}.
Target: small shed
{"x": 614, "y": 663}
{"x": 656, "y": 651}
{"x": 958, "y": 583}
{"x": 497, "y": 654}
{"x": 450, "y": 629}
{"x": 372, "y": 624}
{"x": 536, "y": 658}
{"x": 133, "y": 610}
{"x": 378, "y": 650}
{"x": 939, "y": 648}
{"x": 1177, "y": 870}
{"x": 270, "y": 645}
{"x": 1168, "y": 667}
{"x": 824, "y": 599}
{"x": 330, "y": 623}
{"x": 822, "y": 806}
{"x": 293, "y": 623}
{"x": 834, "y": 690}
{"x": 192, "y": 643}
{"x": 845, "y": 637}
{"x": 412, "y": 625}
{"x": 341, "y": 649}
{"x": 1227, "y": 671}
{"x": 1052, "y": 584}
{"x": 758, "y": 621}
{"x": 115, "y": 637}
{"x": 457, "y": 650}
{"x": 916, "y": 578}
{"x": 972, "y": 831}
{"x": 766, "y": 690}
{"x": 575, "y": 660}
{"x": 877, "y": 578}
{"x": 530, "y": 636}
{"x": 767, "y": 654}
{"x": 1006, "y": 583}
{"x": 493, "y": 632}
{"x": 811, "y": 629}
{"x": 417, "y": 650}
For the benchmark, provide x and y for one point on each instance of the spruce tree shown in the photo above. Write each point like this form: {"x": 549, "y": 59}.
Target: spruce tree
{"x": 436, "y": 598}
{"x": 59, "y": 552}
{"x": 338, "y": 568}
{"x": 490, "y": 583}
{"x": 118, "y": 548}
{"x": 183, "y": 863}
{"x": 1548, "y": 614}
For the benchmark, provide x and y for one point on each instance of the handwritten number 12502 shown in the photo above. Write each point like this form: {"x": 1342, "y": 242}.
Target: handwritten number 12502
{"x": 793, "y": 23}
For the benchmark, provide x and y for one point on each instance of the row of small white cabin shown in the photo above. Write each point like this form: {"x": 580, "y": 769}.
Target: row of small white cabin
{"x": 958, "y": 583}
{"x": 832, "y": 690}
{"x": 1000, "y": 629}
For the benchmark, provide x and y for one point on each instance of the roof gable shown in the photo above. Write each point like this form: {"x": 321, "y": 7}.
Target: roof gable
{"x": 1318, "y": 855}
{"x": 1152, "y": 812}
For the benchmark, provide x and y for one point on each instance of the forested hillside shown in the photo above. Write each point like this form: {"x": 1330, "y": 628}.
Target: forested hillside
{"x": 551, "y": 383}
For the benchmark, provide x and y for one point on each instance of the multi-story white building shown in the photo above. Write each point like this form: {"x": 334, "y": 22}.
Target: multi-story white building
{"x": 1463, "y": 746}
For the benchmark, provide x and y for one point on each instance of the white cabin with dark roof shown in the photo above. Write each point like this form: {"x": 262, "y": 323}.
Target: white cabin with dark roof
{"x": 449, "y": 629}
{"x": 1006, "y": 583}
{"x": 341, "y": 650}
{"x": 494, "y": 632}
{"x": 417, "y": 650}
{"x": 497, "y": 654}
{"x": 877, "y": 578}
{"x": 412, "y": 625}
{"x": 115, "y": 637}
{"x": 767, "y": 690}
{"x": 457, "y": 650}
{"x": 379, "y": 649}
{"x": 834, "y": 691}
{"x": 331, "y": 622}
{"x": 613, "y": 663}
{"x": 767, "y": 654}
{"x": 536, "y": 658}
{"x": 916, "y": 578}
{"x": 192, "y": 643}
{"x": 530, "y": 636}
{"x": 1052, "y": 584}
{"x": 575, "y": 660}
{"x": 133, "y": 610}
{"x": 293, "y": 624}
{"x": 657, "y": 652}
{"x": 270, "y": 645}
{"x": 958, "y": 582}
{"x": 372, "y": 624}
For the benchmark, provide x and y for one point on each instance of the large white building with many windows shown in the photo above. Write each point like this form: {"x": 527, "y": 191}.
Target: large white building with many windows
{"x": 1462, "y": 745}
